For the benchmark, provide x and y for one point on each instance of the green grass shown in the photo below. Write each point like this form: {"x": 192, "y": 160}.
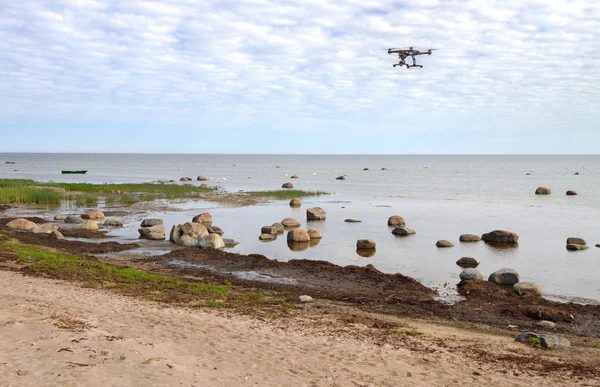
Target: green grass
{"x": 286, "y": 194}
{"x": 535, "y": 342}
{"x": 28, "y": 194}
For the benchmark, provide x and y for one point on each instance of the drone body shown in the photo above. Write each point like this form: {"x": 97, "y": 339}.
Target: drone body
{"x": 404, "y": 53}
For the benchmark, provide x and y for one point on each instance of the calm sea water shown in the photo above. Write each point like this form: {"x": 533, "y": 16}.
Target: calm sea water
{"x": 440, "y": 197}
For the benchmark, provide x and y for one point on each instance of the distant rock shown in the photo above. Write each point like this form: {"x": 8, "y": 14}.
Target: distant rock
{"x": 298, "y": 235}
{"x": 287, "y": 185}
{"x": 546, "y": 324}
{"x": 155, "y": 233}
{"x": 571, "y": 193}
{"x": 151, "y": 222}
{"x": 268, "y": 230}
{"x": 93, "y": 215}
{"x": 527, "y": 288}
{"x": 528, "y": 173}
{"x": 577, "y": 247}
{"x": 230, "y": 242}
{"x": 365, "y": 169}
{"x": 403, "y": 231}
{"x": 278, "y": 227}
{"x": 444, "y": 243}
{"x": 505, "y": 277}
{"x": 185, "y": 179}
{"x": 384, "y": 169}
{"x": 211, "y": 241}
{"x": 87, "y": 225}
{"x": 267, "y": 237}
{"x": 202, "y": 178}
{"x": 56, "y": 235}
{"x": 314, "y": 233}
{"x": 467, "y": 262}
{"x": 470, "y": 274}
{"x": 315, "y": 213}
{"x": 543, "y": 191}
{"x": 469, "y": 238}
{"x": 290, "y": 222}
{"x": 396, "y": 220}
{"x": 352, "y": 221}
{"x": 306, "y": 298}
{"x": 365, "y": 244}
{"x": 44, "y": 228}
{"x": 500, "y": 236}
{"x": 294, "y": 177}
{"x": 21, "y": 224}
{"x": 60, "y": 217}
{"x": 576, "y": 173}
{"x": 341, "y": 178}
{"x": 548, "y": 341}
{"x": 576, "y": 241}
{"x": 598, "y": 245}
{"x": 203, "y": 218}
{"x": 74, "y": 219}
{"x": 295, "y": 202}
{"x": 113, "y": 222}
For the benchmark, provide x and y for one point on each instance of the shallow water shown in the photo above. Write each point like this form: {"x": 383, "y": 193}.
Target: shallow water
{"x": 453, "y": 195}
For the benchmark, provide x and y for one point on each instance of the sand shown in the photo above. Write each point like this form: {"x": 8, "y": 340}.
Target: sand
{"x": 65, "y": 335}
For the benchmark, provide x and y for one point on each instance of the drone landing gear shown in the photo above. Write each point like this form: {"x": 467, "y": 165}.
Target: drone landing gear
{"x": 409, "y": 66}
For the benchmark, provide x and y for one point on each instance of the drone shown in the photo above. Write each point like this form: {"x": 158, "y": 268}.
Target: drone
{"x": 405, "y": 52}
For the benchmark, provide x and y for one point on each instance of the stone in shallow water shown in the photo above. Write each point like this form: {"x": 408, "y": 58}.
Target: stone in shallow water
{"x": 403, "y": 231}
{"x": 469, "y": 238}
{"x": 467, "y": 262}
{"x": 444, "y": 243}
{"x": 577, "y": 247}
{"x": 396, "y": 220}
{"x": 315, "y": 213}
{"x": 113, "y": 222}
{"x": 505, "y": 277}
{"x": 151, "y": 222}
{"x": 21, "y": 224}
{"x": 267, "y": 237}
{"x": 365, "y": 244}
{"x": 471, "y": 274}
{"x": 313, "y": 233}
{"x": 500, "y": 236}
{"x": 576, "y": 241}
{"x": 352, "y": 221}
{"x": 44, "y": 228}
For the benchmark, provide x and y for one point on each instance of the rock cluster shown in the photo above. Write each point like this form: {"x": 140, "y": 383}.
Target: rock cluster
{"x": 194, "y": 234}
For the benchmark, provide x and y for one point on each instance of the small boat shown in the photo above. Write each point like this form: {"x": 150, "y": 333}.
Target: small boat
{"x": 10, "y": 162}
{"x": 74, "y": 172}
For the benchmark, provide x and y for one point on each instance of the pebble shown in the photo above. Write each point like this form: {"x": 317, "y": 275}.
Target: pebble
{"x": 306, "y": 298}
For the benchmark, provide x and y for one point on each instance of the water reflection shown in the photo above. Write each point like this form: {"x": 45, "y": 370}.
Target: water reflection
{"x": 365, "y": 253}
{"x": 315, "y": 241}
{"x": 298, "y": 246}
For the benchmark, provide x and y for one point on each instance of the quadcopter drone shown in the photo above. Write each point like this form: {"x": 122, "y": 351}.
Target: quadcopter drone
{"x": 404, "y": 53}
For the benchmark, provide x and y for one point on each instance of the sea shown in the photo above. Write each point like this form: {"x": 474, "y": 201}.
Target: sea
{"x": 439, "y": 196}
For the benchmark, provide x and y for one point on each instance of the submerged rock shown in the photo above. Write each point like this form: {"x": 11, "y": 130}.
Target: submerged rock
{"x": 60, "y": 217}
{"x": 501, "y": 236}
{"x": 403, "y": 231}
{"x": 363, "y": 244}
{"x": 505, "y": 277}
{"x": 396, "y": 220}
{"x": 548, "y": 341}
{"x": 470, "y": 274}
{"x": 444, "y": 243}
{"x": 268, "y": 230}
{"x": 469, "y": 238}
{"x": 315, "y": 213}
{"x": 267, "y": 237}
{"x": 543, "y": 191}
{"x": 352, "y": 221}
{"x": 230, "y": 242}
{"x": 577, "y": 247}
{"x": 86, "y": 225}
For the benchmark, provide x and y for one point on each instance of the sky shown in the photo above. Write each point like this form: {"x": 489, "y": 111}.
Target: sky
{"x": 299, "y": 76}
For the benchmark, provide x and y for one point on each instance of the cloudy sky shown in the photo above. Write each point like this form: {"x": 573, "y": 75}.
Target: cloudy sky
{"x": 299, "y": 76}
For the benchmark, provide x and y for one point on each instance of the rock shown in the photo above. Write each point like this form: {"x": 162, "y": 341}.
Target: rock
{"x": 528, "y": 173}
{"x": 467, "y": 262}
{"x": 21, "y": 224}
{"x": 341, "y": 178}
{"x": 577, "y": 247}
{"x": 598, "y": 245}
{"x": 171, "y": 181}
{"x": 306, "y": 298}
{"x": 298, "y": 235}
{"x": 202, "y": 178}
{"x": 268, "y": 230}
{"x": 294, "y": 177}
{"x": 470, "y": 274}
{"x": 204, "y": 218}
{"x": 278, "y": 227}
{"x": 290, "y": 222}
{"x": 527, "y": 288}
{"x": 505, "y": 277}
{"x": 176, "y": 233}
{"x": 444, "y": 243}
{"x": 215, "y": 230}
{"x": 155, "y": 233}
{"x": 365, "y": 244}
{"x": 56, "y": 235}
{"x": 93, "y": 215}
{"x": 113, "y": 222}
{"x": 75, "y": 219}
{"x": 469, "y": 238}
{"x": 230, "y": 242}
{"x": 543, "y": 191}
{"x": 185, "y": 179}
{"x": 576, "y": 173}
{"x": 115, "y": 191}
{"x": 44, "y": 228}
{"x": 403, "y": 231}
{"x": 352, "y": 221}
{"x": 500, "y": 236}
{"x": 396, "y": 220}
{"x": 546, "y": 324}
{"x": 212, "y": 241}
{"x": 295, "y": 202}
{"x": 203, "y": 185}
{"x": 187, "y": 240}
{"x": 548, "y": 341}
{"x": 365, "y": 169}
{"x": 287, "y": 185}
{"x": 314, "y": 233}
{"x": 267, "y": 237}
{"x": 384, "y": 169}
{"x": 195, "y": 230}
{"x": 315, "y": 213}
{"x": 86, "y": 225}
{"x": 576, "y": 241}
{"x": 60, "y": 217}
{"x": 571, "y": 193}
{"x": 151, "y": 222}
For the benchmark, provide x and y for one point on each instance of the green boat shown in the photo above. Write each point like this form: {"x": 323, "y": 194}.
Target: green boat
{"x": 74, "y": 172}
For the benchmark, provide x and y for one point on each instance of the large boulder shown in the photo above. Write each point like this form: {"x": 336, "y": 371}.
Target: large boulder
{"x": 73, "y": 219}
{"x": 443, "y": 243}
{"x": 576, "y": 241}
{"x": 290, "y": 222}
{"x": 113, "y": 222}
{"x": 156, "y": 233}
{"x": 403, "y": 231}
{"x": 204, "y": 218}
{"x": 211, "y": 241}
{"x": 21, "y": 224}
{"x": 298, "y": 235}
{"x": 151, "y": 222}
{"x": 396, "y": 220}
{"x": 295, "y": 202}
{"x": 543, "y": 191}
{"x": 93, "y": 215}
{"x": 365, "y": 244}
{"x": 467, "y": 262}
{"x": 287, "y": 185}
{"x": 187, "y": 240}
{"x": 44, "y": 228}
{"x": 469, "y": 238}
{"x": 313, "y": 233}
{"x": 470, "y": 274}
{"x": 571, "y": 193}
{"x": 195, "y": 230}
{"x": 505, "y": 277}
{"x": 87, "y": 225}
{"x": 192, "y": 232}
{"x": 278, "y": 227}
{"x": 315, "y": 213}
{"x": 547, "y": 341}
{"x": 500, "y": 236}
{"x": 527, "y": 288}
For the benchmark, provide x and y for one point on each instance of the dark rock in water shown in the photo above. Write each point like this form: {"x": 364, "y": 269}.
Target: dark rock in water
{"x": 444, "y": 243}
{"x": 548, "y": 341}
{"x": 201, "y": 178}
{"x": 384, "y": 169}
{"x": 543, "y": 191}
{"x": 500, "y": 236}
{"x": 576, "y": 241}
{"x": 528, "y": 173}
{"x": 576, "y": 173}
{"x": 571, "y": 193}
{"x": 527, "y": 288}
{"x": 505, "y": 277}
{"x": 467, "y": 262}
{"x": 294, "y": 177}
{"x": 340, "y": 178}
{"x": 577, "y": 247}
{"x": 403, "y": 231}
{"x": 267, "y": 237}
{"x": 471, "y": 274}
{"x": 396, "y": 220}
{"x": 314, "y": 234}
{"x": 295, "y": 202}
{"x": 598, "y": 245}
{"x": 365, "y": 169}
{"x": 315, "y": 213}
{"x": 269, "y": 230}
{"x": 352, "y": 221}
{"x": 469, "y": 238}
{"x": 365, "y": 244}
{"x": 287, "y": 185}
